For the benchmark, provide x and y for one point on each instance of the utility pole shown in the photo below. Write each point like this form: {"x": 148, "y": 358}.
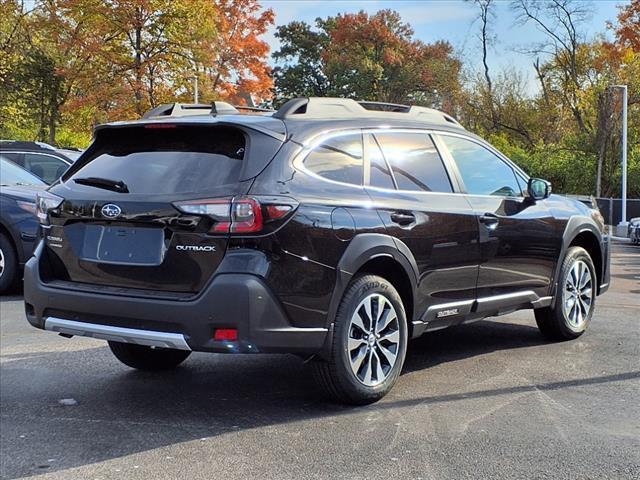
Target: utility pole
{"x": 623, "y": 225}
{"x": 195, "y": 89}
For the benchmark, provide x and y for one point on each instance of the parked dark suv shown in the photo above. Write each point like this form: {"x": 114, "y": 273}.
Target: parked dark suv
{"x": 330, "y": 229}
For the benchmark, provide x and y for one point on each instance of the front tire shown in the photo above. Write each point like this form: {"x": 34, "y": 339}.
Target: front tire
{"x": 571, "y": 313}
{"x": 8, "y": 264}
{"x": 369, "y": 343}
{"x": 146, "y": 358}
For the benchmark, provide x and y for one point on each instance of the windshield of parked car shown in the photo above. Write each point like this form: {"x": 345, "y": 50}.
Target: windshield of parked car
{"x": 11, "y": 174}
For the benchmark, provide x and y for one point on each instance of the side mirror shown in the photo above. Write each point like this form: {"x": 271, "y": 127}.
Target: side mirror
{"x": 538, "y": 189}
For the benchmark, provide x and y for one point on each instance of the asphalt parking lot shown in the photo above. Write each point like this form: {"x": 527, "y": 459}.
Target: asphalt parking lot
{"x": 490, "y": 400}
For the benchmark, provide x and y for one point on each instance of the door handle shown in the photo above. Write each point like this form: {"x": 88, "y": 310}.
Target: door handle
{"x": 490, "y": 220}
{"x": 403, "y": 218}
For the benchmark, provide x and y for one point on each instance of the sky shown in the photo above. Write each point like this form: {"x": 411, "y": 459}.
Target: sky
{"x": 451, "y": 20}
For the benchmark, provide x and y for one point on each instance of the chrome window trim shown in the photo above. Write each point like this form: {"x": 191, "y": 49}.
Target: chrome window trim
{"x": 314, "y": 141}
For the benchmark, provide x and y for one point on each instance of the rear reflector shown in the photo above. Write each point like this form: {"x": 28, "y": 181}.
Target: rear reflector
{"x": 226, "y": 335}
{"x": 274, "y": 212}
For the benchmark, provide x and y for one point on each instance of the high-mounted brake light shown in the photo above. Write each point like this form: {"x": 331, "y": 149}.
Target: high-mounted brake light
{"x": 160, "y": 125}
{"x": 235, "y": 215}
{"x": 45, "y": 202}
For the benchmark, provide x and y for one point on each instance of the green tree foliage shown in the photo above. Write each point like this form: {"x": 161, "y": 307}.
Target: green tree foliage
{"x": 301, "y": 69}
{"x": 66, "y": 65}
{"x": 568, "y": 132}
{"x": 370, "y": 57}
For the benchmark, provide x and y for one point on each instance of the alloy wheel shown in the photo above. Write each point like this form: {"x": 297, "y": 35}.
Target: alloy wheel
{"x": 578, "y": 294}
{"x": 373, "y": 340}
{"x": 1, "y": 262}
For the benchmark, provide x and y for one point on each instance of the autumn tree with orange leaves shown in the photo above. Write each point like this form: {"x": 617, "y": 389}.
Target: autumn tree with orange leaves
{"x": 362, "y": 56}
{"x": 628, "y": 29}
{"x": 236, "y": 67}
{"x": 91, "y": 61}
{"x": 374, "y": 57}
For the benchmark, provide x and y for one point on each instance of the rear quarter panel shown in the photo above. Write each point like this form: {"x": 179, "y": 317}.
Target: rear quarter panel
{"x": 304, "y": 254}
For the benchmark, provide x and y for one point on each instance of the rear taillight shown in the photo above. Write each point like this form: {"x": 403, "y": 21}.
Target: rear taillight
{"x": 45, "y": 202}
{"x": 239, "y": 215}
{"x": 246, "y": 216}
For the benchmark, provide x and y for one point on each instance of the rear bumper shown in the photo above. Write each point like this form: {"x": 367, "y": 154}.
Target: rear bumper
{"x": 117, "y": 334}
{"x": 232, "y": 300}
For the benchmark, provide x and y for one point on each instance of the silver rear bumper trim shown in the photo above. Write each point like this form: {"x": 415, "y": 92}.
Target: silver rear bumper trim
{"x": 149, "y": 338}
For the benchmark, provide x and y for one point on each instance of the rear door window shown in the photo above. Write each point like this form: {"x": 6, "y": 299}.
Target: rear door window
{"x": 172, "y": 159}
{"x": 380, "y": 176}
{"x": 47, "y": 167}
{"x": 338, "y": 158}
{"x": 414, "y": 161}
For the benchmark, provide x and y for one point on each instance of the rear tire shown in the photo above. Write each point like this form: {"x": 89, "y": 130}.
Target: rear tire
{"x": 575, "y": 299}
{"x": 366, "y": 356}
{"x": 8, "y": 264}
{"x": 146, "y": 358}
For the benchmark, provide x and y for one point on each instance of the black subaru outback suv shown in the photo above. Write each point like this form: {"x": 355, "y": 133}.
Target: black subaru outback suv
{"x": 331, "y": 229}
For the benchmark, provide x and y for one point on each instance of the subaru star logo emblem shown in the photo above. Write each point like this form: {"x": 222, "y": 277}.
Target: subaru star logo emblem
{"x": 111, "y": 211}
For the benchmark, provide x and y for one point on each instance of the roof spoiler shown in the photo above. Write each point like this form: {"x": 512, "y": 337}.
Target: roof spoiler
{"x": 215, "y": 108}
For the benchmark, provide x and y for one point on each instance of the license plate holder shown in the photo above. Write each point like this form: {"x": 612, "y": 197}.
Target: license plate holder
{"x": 123, "y": 245}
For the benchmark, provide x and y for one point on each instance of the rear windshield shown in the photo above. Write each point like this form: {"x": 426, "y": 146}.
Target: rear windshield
{"x": 173, "y": 159}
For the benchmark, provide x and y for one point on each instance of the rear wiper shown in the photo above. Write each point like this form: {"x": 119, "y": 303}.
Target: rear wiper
{"x": 106, "y": 183}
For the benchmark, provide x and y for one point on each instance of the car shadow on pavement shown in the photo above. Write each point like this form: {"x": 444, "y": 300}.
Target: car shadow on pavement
{"x": 120, "y": 412}
{"x": 470, "y": 340}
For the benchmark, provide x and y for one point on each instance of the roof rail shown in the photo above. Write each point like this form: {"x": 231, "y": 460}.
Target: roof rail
{"x": 254, "y": 109}
{"x": 385, "y": 107}
{"x": 317, "y": 107}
